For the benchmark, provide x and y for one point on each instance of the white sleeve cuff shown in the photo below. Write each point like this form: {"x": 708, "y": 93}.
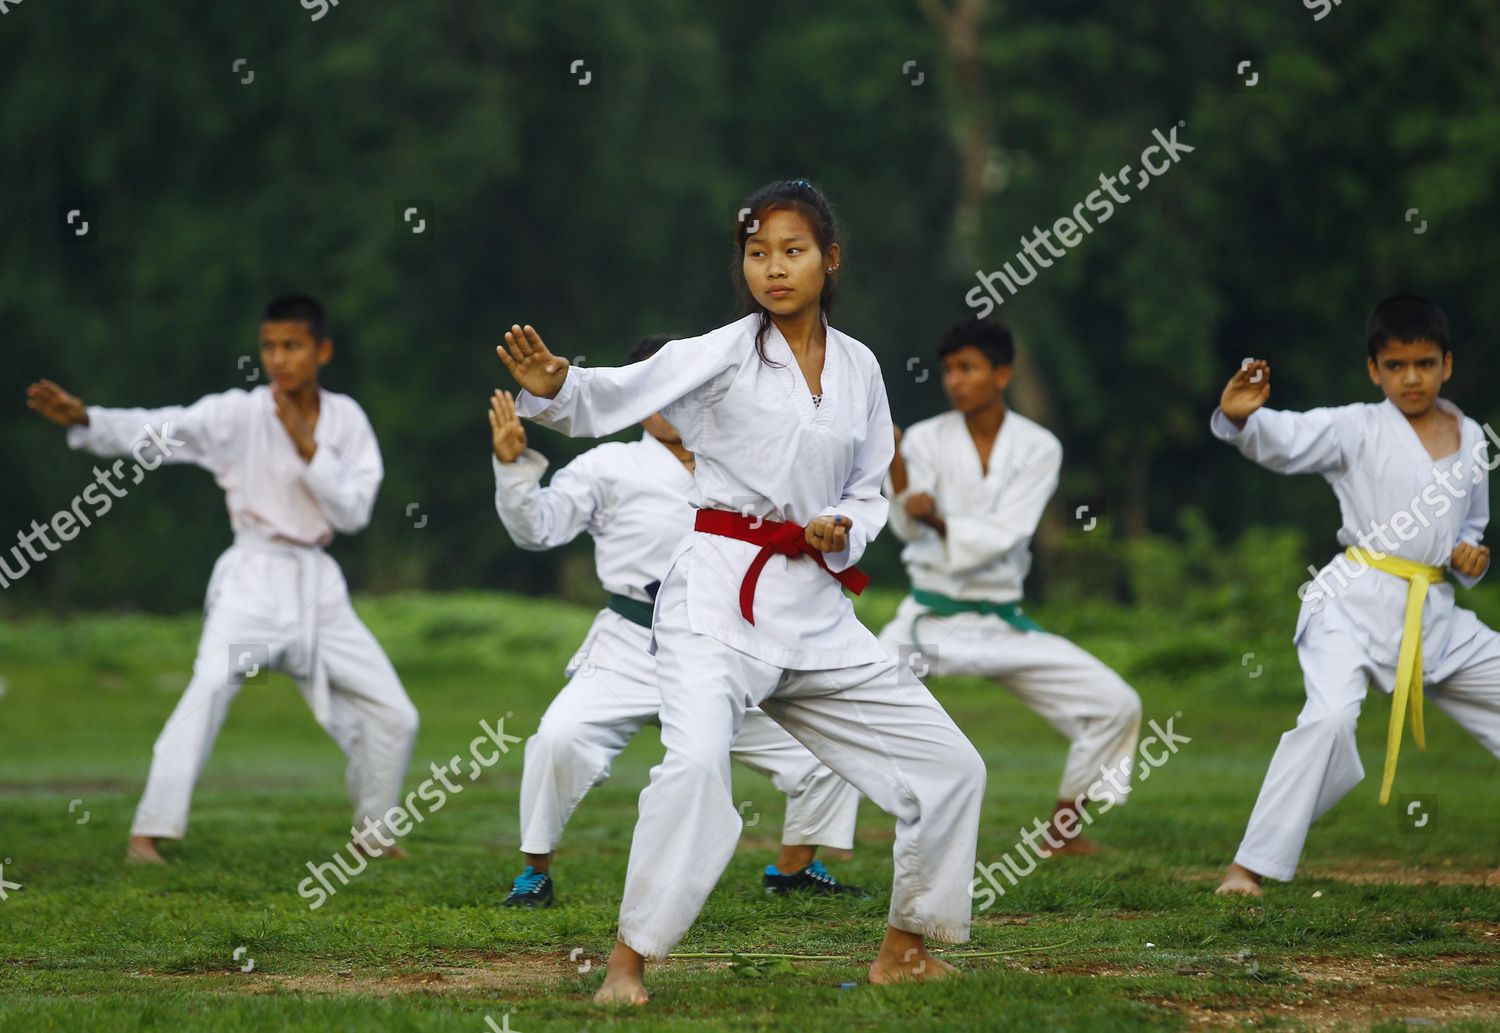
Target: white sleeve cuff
{"x": 527, "y": 468}
{"x": 530, "y": 406}
{"x": 79, "y": 435}
{"x": 1223, "y": 427}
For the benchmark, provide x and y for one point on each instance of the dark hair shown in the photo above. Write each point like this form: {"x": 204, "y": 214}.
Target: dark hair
{"x": 288, "y": 308}
{"x": 1405, "y": 317}
{"x": 796, "y": 195}
{"x": 649, "y": 346}
{"x": 993, "y": 339}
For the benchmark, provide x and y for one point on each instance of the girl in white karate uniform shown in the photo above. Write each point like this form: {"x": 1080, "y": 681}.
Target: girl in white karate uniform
{"x": 1412, "y": 478}
{"x": 632, "y": 499}
{"x": 789, "y": 422}
{"x": 297, "y": 464}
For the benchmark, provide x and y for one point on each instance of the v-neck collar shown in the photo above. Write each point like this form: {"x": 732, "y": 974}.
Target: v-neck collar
{"x": 802, "y": 392}
{"x": 318, "y": 428}
{"x": 1415, "y": 440}
{"x": 985, "y": 464}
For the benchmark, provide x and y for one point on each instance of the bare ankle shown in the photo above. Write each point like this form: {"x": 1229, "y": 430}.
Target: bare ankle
{"x": 625, "y": 959}
{"x": 623, "y": 978}
{"x": 795, "y": 858}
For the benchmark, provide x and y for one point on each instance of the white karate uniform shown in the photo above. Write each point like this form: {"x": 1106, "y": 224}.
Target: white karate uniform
{"x": 632, "y": 499}
{"x": 1349, "y": 630}
{"x": 276, "y": 599}
{"x": 764, "y": 449}
{"x": 985, "y": 556}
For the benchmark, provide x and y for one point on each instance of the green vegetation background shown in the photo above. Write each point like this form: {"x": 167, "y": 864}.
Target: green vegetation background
{"x": 603, "y": 214}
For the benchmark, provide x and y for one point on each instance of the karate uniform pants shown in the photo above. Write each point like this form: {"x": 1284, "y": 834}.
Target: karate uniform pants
{"x": 1075, "y": 692}
{"x": 256, "y": 616}
{"x": 883, "y": 733}
{"x": 611, "y": 695}
{"x": 1317, "y": 762}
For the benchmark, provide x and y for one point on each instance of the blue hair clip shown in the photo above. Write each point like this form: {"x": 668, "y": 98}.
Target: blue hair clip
{"x": 801, "y": 183}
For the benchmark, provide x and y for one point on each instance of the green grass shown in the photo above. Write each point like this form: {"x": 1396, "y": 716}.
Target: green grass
{"x": 1128, "y": 939}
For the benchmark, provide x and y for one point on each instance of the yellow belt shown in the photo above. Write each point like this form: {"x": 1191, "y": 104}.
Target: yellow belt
{"x": 1419, "y": 576}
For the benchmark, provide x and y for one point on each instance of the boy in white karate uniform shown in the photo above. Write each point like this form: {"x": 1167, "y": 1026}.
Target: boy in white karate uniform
{"x": 791, "y": 430}
{"x": 1412, "y": 478}
{"x": 632, "y": 498}
{"x": 967, "y": 491}
{"x": 297, "y": 464}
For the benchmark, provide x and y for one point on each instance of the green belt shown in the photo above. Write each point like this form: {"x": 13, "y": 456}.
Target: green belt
{"x": 942, "y": 606}
{"x": 633, "y": 610}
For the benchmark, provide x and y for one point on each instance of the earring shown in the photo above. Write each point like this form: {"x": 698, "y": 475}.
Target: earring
{"x": 830, "y": 269}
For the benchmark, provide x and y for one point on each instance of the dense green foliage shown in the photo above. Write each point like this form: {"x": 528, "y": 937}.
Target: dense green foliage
{"x": 602, "y": 214}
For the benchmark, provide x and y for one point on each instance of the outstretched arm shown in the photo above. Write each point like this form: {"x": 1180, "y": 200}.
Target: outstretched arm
{"x": 594, "y": 401}
{"x": 537, "y": 518}
{"x": 1287, "y": 442}
{"x": 205, "y": 433}
{"x": 1246, "y": 391}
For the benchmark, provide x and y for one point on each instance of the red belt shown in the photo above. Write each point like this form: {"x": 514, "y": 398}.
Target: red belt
{"x": 775, "y": 537}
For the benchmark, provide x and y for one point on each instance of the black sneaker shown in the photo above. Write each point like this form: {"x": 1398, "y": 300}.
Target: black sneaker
{"x": 531, "y": 889}
{"x": 814, "y": 879}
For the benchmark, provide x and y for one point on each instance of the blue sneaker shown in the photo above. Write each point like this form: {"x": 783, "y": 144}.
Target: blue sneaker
{"x": 531, "y": 889}
{"x": 814, "y": 879}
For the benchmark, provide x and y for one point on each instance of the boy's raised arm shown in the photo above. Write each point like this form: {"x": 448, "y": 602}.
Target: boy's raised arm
{"x": 1287, "y": 442}
{"x": 537, "y": 518}
{"x": 204, "y": 433}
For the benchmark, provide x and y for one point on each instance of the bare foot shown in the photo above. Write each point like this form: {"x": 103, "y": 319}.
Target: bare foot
{"x": 1239, "y": 881}
{"x": 1078, "y": 846}
{"x": 623, "y": 979}
{"x": 915, "y": 965}
{"x": 142, "y": 850}
{"x": 380, "y": 853}
{"x": 1067, "y": 823}
{"x": 904, "y": 958}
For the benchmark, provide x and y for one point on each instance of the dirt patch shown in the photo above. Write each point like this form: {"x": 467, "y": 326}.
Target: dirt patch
{"x": 1383, "y": 872}
{"x": 1355, "y": 993}
{"x": 489, "y": 975}
{"x": 987, "y": 920}
{"x": 1396, "y": 873}
{"x": 1481, "y": 931}
{"x": 506, "y": 976}
{"x": 57, "y": 787}
{"x": 1317, "y": 993}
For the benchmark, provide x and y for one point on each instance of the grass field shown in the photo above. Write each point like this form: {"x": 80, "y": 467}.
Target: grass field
{"x": 1389, "y": 924}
